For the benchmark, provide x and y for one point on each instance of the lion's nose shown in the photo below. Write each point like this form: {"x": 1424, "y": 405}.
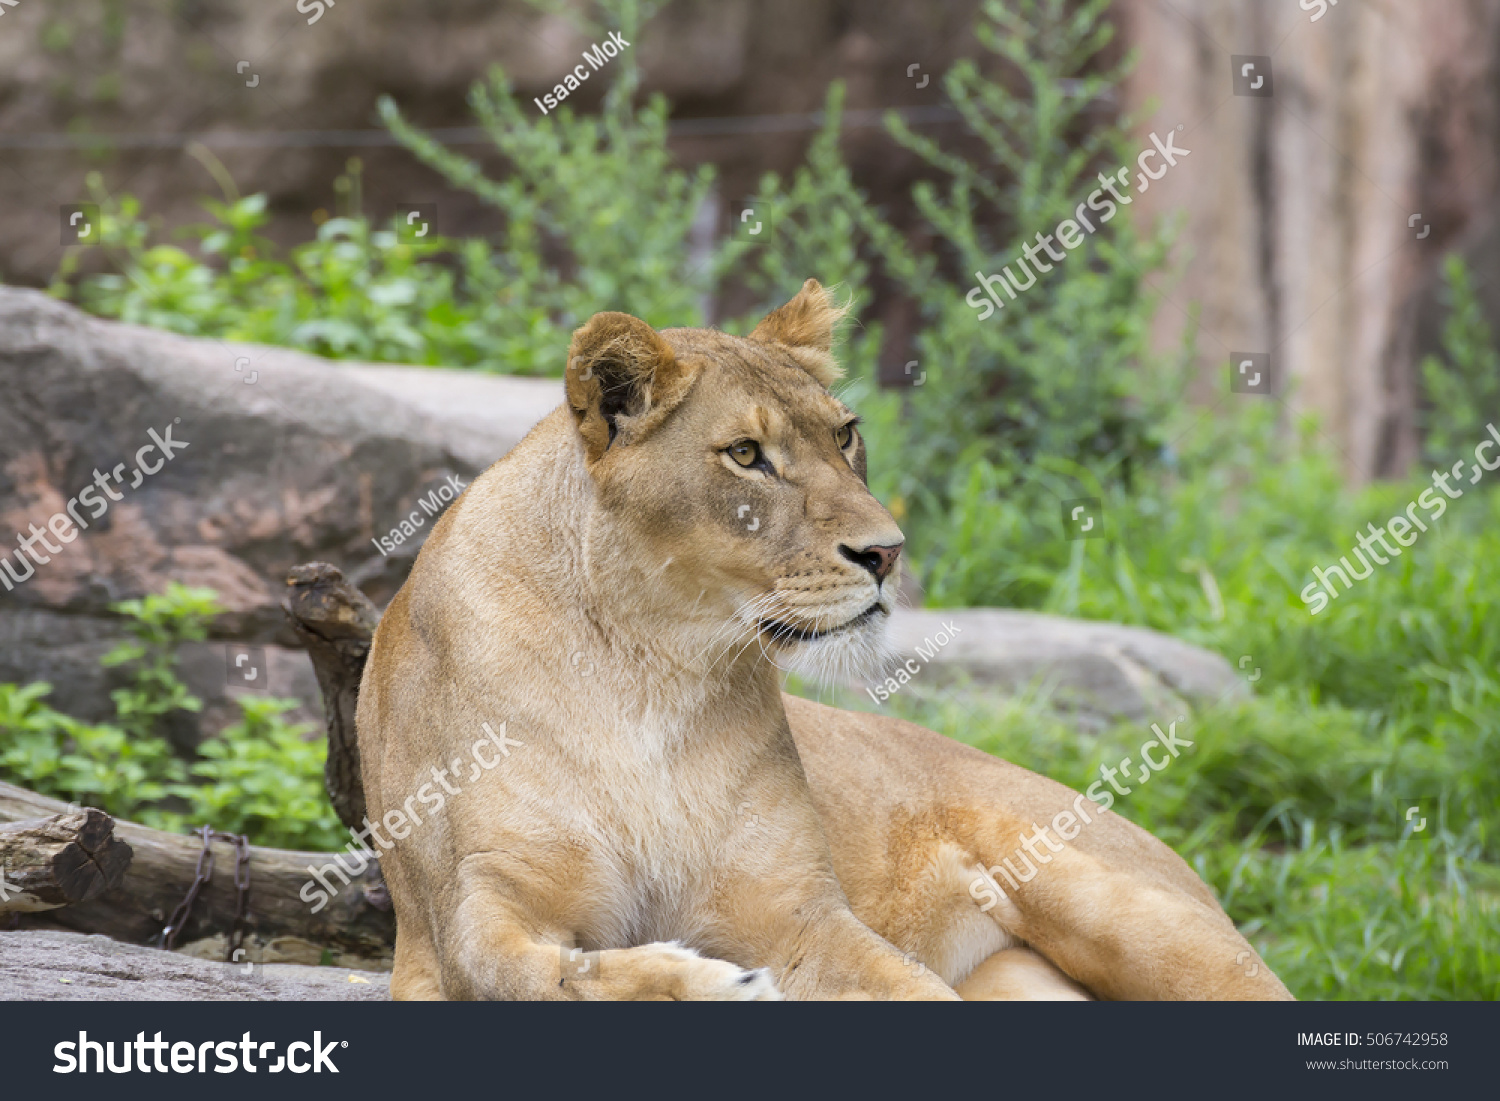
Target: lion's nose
{"x": 878, "y": 560}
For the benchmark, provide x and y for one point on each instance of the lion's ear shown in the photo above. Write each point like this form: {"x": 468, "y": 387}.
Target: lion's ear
{"x": 805, "y": 326}
{"x": 619, "y": 371}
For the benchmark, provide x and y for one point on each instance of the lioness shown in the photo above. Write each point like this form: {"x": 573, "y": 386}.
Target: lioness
{"x": 618, "y": 592}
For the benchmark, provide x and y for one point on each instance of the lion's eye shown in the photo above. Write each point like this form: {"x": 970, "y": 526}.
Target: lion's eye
{"x": 844, "y": 436}
{"x": 746, "y": 452}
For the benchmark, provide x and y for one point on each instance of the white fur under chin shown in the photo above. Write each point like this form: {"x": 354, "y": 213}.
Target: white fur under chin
{"x": 843, "y": 657}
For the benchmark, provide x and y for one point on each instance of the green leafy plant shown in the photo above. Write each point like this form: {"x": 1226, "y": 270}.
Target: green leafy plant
{"x": 1463, "y": 393}
{"x": 94, "y": 764}
{"x": 594, "y": 214}
{"x": 354, "y": 291}
{"x": 126, "y": 767}
{"x": 159, "y": 624}
{"x": 260, "y": 776}
{"x": 264, "y": 778}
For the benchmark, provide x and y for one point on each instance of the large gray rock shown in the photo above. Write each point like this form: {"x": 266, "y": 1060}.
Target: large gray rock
{"x": 1097, "y": 672}
{"x": 288, "y": 458}
{"x": 478, "y": 416}
{"x": 44, "y": 966}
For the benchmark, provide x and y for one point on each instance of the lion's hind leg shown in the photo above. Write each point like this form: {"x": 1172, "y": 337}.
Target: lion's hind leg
{"x": 1020, "y": 975}
{"x": 1127, "y": 918}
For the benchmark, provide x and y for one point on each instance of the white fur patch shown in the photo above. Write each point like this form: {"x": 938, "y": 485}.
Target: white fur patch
{"x": 842, "y": 656}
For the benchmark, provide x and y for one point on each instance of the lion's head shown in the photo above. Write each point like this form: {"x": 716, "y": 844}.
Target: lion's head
{"x": 736, "y": 481}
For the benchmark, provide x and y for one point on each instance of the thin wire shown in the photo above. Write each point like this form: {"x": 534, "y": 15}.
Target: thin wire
{"x": 456, "y": 135}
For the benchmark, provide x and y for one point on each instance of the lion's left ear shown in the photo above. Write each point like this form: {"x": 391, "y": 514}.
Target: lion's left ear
{"x": 805, "y": 327}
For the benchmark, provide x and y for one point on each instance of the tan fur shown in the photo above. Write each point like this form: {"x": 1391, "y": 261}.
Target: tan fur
{"x": 1019, "y": 975}
{"x": 617, "y": 592}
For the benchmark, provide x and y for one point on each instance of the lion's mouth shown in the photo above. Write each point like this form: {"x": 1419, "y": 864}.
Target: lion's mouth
{"x": 787, "y": 632}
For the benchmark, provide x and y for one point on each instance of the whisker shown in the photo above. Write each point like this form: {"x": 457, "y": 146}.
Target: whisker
{"x": 755, "y": 606}
{"x": 773, "y": 602}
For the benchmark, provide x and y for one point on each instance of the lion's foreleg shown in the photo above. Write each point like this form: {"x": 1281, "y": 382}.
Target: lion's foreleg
{"x": 414, "y": 976}
{"x": 490, "y": 949}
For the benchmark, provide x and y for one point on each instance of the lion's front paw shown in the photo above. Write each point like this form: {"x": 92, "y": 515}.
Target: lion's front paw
{"x": 750, "y": 986}
{"x": 699, "y": 979}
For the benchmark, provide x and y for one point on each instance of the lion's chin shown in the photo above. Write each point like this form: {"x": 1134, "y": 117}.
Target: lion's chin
{"x": 854, "y": 652}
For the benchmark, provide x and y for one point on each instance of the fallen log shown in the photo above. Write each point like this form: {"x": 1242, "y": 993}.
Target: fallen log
{"x": 355, "y": 921}
{"x": 46, "y": 863}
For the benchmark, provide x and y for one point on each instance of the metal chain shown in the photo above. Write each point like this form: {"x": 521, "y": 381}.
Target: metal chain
{"x": 202, "y": 875}
{"x": 242, "y": 892}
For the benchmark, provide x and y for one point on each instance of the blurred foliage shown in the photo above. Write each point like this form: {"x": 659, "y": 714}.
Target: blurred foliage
{"x": 261, "y": 776}
{"x": 1058, "y": 387}
{"x": 354, "y": 291}
{"x": 595, "y": 214}
{"x": 1463, "y": 393}
{"x": 158, "y": 623}
{"x": 96, "y": 765}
